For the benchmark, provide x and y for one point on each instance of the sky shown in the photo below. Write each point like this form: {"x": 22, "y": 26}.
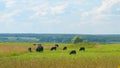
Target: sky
{"x": 60, "y": 16}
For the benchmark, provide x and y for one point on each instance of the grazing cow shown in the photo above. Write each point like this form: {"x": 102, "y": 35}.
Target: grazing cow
{"x": 65, "y": 48}
{"x": 53, "y": 48}
{"x": 34, "y": 44}
{"x": 82, "y": 49}
{"x": 73, "y": 52}
{"x": 39, "y": 48}
{"x": 30, "y": 49}
{"x": 56, "y": 45}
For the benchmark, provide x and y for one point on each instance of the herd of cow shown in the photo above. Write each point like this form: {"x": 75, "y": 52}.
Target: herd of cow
{"x": 40, "y": 48}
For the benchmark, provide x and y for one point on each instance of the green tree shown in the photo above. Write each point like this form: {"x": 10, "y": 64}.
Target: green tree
{"x": 77, "y": 39}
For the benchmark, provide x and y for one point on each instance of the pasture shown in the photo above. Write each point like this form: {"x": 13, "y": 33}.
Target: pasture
{"x": 16, "y": 55}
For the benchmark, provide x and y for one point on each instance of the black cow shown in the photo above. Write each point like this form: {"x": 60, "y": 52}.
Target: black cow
{"x": 65, "y": 48}
{"x": 34, "y": 44}
{"x": 39, "y": 48}
{"x": 30, "y": 49}
{"x": 73, "y": 52}
{"x": 82, "y": 49}
{"x": 53, "y": 48}
{"x": 56, "y": 45}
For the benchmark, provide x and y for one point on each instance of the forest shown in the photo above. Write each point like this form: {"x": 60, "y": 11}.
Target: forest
{"x": 58, "y": 38}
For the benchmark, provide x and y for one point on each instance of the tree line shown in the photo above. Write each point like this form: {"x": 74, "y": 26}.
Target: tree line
{"x": 59, "y": 38}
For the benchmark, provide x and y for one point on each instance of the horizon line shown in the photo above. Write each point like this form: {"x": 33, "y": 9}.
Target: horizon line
{"x": 69, "y": 33}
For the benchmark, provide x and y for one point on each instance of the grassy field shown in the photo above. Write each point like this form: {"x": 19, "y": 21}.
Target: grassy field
{"x": 15, "y": 55}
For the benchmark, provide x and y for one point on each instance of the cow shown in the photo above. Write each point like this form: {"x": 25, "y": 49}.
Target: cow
{"x": 56, "y": 45}
{"x": 34, "y": 44}
{"x": 30, "y": 49}
{"x": 65, "y": 48}
{"x": 72, "y": 52}
{"x": 53, "y": 48}
{"x": 39, "y": 48}
{"x": 82, "y": 49}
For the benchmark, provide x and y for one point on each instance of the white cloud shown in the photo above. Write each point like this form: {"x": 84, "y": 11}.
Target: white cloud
{"x": 84, "y": 14}
{"x": 54, "y": 21}
{"x": 46, "y": 9}
{"x": 100, "y": 13}
{"x": 9, "y": 3}
{"x": 41, "y": 9}
{"x": 106, "y": 4}
{"x": 118, "y": 9}
{"x": 59, "y": 9}
{"x": 8, "y": 17}
{"x": 40, "y": 13}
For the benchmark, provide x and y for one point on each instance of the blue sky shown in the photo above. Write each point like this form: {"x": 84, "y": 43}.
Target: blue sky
{"x": 60, "y": 16}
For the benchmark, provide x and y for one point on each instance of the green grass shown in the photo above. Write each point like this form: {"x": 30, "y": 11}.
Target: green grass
{"x": 15, "y": 55}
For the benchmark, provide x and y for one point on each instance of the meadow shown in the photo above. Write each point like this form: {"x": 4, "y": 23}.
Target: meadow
{"x": 16, "y": 55}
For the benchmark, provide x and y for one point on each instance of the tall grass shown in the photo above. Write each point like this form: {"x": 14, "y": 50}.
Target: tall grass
{"x": 102, "y": 62}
